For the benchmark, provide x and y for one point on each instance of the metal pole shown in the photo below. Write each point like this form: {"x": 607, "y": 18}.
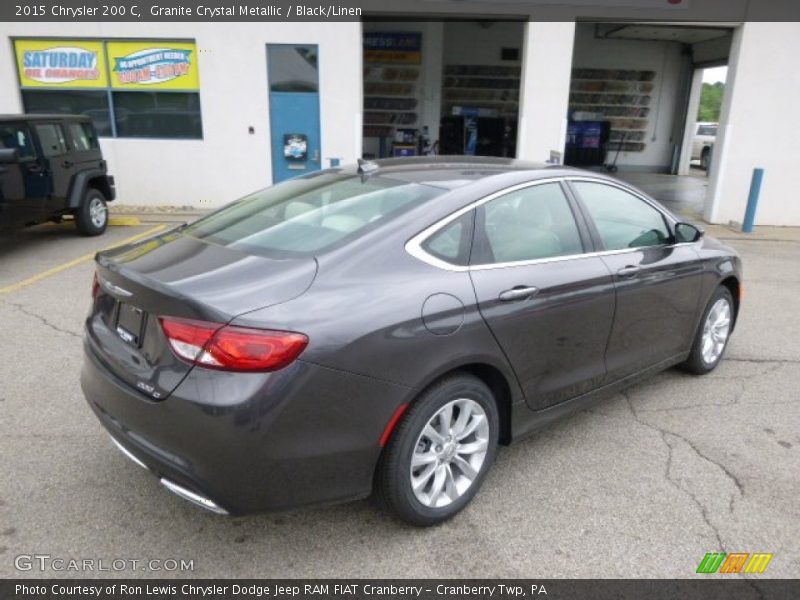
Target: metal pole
{"x": 752, "y": 201}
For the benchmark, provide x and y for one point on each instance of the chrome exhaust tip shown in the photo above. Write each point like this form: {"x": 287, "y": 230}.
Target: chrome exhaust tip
{"x": 128, "y": 453}
{"x": 192, "y": 497}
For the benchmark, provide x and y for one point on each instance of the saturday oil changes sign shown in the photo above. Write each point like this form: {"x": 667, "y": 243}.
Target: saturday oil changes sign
{"x": 153, "y": 65}
{"x": 61, "y": 63}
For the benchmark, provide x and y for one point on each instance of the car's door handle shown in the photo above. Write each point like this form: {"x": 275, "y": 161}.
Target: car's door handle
{"x": 66, "y": 164}
{"x": 35, "y": 169}
{"x": 629, "y": 271}
{"x": 519, "y": 292}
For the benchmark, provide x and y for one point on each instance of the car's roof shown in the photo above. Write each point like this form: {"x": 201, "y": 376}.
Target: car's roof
{"x": 448, "y": 172}
{"x": 44, "y": 117}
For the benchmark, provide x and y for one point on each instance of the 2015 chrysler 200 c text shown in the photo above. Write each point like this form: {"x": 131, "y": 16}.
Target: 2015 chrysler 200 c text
{"x": 383, "y": 328}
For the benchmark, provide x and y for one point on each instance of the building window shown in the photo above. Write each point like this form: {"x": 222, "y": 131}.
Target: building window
{"x": 75, "y": 102}
{"x": 293, "y": 68}
{"x": 157, "y": 115}
{"x": 141, "y": 89}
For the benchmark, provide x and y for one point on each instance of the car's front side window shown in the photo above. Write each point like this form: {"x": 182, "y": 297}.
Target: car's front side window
{"x": 622, "y": 219}
{"x": 532, "y": 223}
{"x": 17, "y": 136}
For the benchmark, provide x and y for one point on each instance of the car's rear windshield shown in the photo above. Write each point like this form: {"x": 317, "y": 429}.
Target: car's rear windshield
{"x": 309, "y": 215}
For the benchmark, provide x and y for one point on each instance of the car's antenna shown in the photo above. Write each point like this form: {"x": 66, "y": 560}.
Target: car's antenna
{"x": 365, "y": 167}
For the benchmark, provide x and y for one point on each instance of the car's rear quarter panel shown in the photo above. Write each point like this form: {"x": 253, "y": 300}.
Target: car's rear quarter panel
{"x": 253, "y": 442}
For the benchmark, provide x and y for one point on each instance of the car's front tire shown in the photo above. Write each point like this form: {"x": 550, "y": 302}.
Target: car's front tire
{"x": 91, "y": 218}
{"x": 438, "y": 456}
{"x": 713, "y": 333}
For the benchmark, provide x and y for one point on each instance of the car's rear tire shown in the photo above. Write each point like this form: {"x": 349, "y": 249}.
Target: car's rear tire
{"x": 450, "y": 433}
{"x": 91, "y": 218}
{"x": 713, "y": 334}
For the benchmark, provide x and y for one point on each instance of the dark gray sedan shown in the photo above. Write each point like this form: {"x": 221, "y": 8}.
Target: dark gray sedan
{"x": 383, "y": 328}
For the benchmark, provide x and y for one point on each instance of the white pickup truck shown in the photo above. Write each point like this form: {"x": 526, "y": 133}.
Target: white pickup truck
{"x": 703, "y": 143}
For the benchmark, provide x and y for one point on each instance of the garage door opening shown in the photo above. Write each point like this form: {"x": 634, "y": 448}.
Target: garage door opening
{"x": 441, "y": 88}
{"x": 634, "y": 101}
{"x": 701, "y": 138}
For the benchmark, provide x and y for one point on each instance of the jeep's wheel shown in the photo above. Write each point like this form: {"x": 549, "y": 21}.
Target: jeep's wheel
{"x": 92, "y": 215}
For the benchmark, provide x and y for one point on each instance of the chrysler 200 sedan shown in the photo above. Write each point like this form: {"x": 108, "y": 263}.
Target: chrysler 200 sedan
{"x": 382, "y": 328}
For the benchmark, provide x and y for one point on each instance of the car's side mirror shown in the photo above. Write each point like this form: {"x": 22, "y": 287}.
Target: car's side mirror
{"x": 9, "y": 155}
{"x": 687, "y": 233}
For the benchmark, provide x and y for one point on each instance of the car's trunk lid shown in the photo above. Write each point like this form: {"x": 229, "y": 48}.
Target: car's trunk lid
{"x": 178, "y": 275}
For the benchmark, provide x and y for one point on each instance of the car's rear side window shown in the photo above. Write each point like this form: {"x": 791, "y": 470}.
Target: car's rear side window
{"x": 452, "y": 242}
{"x": 532, "y": 223}
{"x": 308, "y": 215}
{"x": 83, "y": 136}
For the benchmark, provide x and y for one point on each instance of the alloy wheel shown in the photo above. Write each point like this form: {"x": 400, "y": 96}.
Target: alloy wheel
{"x": 98, "y": 212}
{"x": 716, "y": 330}
{"x": 449, "y": 453}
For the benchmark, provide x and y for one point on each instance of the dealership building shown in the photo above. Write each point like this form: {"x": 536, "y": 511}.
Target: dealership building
{"x": 200, "y": 113}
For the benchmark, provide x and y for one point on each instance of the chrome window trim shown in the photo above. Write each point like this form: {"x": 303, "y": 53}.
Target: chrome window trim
{"x": 414, "y": 245}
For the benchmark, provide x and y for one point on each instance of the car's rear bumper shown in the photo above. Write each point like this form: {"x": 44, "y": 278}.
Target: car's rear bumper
{"x": 178, "y": 490}
{"x": 252, "y": 442}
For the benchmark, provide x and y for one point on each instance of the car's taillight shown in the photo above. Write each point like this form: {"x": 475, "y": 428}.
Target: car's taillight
{"x": 232, "y": 348}
{"x": 95, "y": 286}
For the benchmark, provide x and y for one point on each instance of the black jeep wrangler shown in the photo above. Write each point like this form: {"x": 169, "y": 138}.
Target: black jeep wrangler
{"x": 51, "y": 166}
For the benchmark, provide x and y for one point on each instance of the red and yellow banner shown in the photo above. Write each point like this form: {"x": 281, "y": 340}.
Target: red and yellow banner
{"x": 153, "y": 65}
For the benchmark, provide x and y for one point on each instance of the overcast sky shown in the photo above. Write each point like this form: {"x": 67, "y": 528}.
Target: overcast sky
{"x": 714, "y": 75}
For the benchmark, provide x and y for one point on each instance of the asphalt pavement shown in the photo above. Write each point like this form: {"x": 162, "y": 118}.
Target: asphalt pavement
{"x": 643, "y": 485}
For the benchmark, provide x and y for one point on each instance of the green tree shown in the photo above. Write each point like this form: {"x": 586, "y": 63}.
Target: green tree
{"x": 711, "y": 101}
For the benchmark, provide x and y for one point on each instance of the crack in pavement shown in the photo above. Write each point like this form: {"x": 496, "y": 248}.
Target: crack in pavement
{"x": 52, "y": 326}
{"x": 665, "y": 437}
{"x": 737, "y": 482}
{"x": 717, "y": 405}
{"x": 791, "y": 361}
{"x": 679, "y": 375}
{"x": 742, "y": 380}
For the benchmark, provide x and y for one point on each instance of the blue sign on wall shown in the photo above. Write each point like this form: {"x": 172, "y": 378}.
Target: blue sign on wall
{"x": 393, "y": 47}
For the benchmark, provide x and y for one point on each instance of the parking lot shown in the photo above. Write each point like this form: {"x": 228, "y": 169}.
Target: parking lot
{"x": 640, "y": 486}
